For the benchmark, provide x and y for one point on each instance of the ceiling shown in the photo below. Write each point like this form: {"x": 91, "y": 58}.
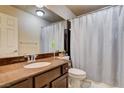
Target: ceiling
{"x": 49, "y": 15}
{"x": 82, "y": 9}
{"x": 52, "y": 17}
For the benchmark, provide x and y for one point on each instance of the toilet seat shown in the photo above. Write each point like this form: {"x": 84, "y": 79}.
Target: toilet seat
{"x": 77, "y": 73}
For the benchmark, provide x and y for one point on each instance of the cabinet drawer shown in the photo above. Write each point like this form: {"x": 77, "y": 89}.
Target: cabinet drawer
{"x": 46, "y": 77}
{"x": 61, "y": 82}
{"x": 28, "y": 83}
{"x": 65, "y": 68}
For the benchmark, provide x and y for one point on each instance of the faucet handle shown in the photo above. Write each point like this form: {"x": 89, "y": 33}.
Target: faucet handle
{"x": 28, "y": 57}
{"x": 34, "y": 57}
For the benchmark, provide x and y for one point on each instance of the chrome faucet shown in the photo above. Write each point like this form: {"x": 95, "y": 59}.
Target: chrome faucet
{"x": 31, "y": 58}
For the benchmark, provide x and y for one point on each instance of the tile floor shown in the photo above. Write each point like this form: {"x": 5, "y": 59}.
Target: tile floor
{"x": 99, "y": 85}
{"x": 93, "y": 84}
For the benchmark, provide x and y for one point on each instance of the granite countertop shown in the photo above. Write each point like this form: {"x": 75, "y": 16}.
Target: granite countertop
{"x": 10, "y": 74}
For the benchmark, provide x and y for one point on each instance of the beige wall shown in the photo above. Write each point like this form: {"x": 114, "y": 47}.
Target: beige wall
{"x": 29, "y": 27}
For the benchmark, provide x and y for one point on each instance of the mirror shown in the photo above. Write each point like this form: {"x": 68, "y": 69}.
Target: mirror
{"x": 19, "y": 31}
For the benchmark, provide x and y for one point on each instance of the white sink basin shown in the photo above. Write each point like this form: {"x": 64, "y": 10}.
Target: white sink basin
{"x": 37, "y": 65}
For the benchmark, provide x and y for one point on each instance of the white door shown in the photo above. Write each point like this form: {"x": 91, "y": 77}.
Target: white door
{"x": 8, "y": 36}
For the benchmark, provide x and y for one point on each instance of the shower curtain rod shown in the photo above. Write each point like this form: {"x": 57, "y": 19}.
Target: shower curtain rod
{"x": 101, "y": 9}
{"x": 107, "y": 7}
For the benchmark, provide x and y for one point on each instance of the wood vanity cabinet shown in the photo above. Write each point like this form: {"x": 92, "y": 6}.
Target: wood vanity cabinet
{"x": 54, "y": 78}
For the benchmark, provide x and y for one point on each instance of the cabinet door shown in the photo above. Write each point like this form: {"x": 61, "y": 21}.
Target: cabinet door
{"x": 8, "y": 36}
{"x": 28, "y": 83}
{"x": 46, "y": 86}
{"x": 45, "y": 78}
{"x": 61, "y": 82}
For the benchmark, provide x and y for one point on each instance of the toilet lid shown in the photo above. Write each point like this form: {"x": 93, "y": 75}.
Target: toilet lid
{"x": 75, "y": 71}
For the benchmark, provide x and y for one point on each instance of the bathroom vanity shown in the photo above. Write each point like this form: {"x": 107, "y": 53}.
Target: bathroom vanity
{"x": 54, "y": 75}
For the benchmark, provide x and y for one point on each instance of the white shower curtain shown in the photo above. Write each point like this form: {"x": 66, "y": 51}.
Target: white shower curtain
{"x": 97, "y": 45}
{"x": 52, "y": 33}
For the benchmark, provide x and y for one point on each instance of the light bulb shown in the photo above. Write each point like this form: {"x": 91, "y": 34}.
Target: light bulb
{"x": 40, "y": 12}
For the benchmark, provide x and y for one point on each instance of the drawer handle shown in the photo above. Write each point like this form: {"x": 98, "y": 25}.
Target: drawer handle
{"x": 66, "y": 68}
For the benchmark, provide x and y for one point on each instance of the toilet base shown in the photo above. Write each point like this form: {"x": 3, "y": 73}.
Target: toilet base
{"x": 75, "y": 83}
{"x": 86, "y": 83}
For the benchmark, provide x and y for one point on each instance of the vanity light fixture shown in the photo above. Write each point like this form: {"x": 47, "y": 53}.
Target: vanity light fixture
{"x": 40, "y": 12}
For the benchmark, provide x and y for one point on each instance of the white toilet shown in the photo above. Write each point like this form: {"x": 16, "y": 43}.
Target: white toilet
{"x": 76, "y": 77}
